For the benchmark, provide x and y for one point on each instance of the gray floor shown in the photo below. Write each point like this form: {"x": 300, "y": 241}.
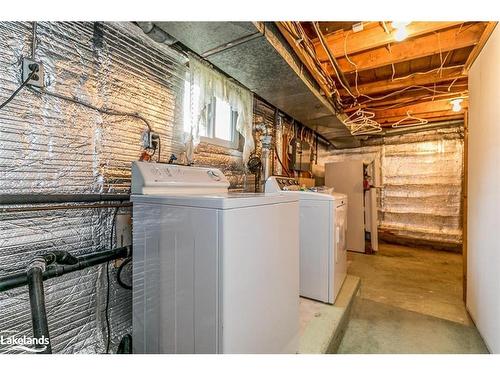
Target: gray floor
{"x": 410, "y": 302}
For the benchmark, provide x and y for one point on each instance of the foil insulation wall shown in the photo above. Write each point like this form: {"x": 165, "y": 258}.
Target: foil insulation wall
{"x": 419, "y": 200}
{"x": 48, "y": 145}
{"x": 229, "y": 161}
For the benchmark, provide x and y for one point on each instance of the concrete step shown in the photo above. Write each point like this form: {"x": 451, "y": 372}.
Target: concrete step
{"x": 323, "y": 325}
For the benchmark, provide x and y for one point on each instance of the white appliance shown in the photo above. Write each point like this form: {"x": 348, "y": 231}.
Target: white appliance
{"x": 213, "y": 272}
{"x": 323, "y": 223}
{"x": 347, "y": 176}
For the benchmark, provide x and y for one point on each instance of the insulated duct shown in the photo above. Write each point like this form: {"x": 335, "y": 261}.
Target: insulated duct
{"x": 257, "y": 55}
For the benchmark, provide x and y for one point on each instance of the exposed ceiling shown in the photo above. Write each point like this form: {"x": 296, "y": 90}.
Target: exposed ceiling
{"x": 256, "y": 55}
{"x": 323, "y": 73}
{"x": 369, "y": 69}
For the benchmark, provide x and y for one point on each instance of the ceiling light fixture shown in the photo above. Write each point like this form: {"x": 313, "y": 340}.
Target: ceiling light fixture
{"x": 400, "y": 30}
{"x": 456, "y": 105}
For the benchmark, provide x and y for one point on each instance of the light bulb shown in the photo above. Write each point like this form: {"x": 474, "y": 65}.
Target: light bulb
{"x": 456, "y": 105}
{"x": 399, "y": 24}
{"x": 400, "y": 30}
{"x": 400, "y": 34}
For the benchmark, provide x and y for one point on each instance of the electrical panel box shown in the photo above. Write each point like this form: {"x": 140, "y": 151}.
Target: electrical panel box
{"x": 301, "y": 155}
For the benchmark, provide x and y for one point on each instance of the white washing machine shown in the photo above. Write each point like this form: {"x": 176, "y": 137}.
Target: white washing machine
{"x": 213, "y": 272}
{"x": 323, "y": 253}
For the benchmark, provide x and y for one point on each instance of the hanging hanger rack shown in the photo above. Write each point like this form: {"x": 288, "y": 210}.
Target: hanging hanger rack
{"x": 361, "y": 122}
{"x": 417, "y": 121}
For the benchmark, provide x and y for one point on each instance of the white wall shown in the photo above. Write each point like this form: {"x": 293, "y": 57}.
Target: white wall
{"x": 483, "y": 276}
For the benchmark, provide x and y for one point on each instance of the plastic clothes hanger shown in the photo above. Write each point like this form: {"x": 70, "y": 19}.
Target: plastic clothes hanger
{"x": 416, "y": 121}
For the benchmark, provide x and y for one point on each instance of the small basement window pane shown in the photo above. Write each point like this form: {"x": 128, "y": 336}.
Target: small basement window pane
{"x": 223, "y": 120}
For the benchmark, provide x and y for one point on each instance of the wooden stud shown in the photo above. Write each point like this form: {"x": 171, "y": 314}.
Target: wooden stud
{"x": 464, "y": 203}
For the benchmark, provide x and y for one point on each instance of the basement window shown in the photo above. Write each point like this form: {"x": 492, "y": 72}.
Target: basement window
{"x": 220, "y": 110}
{"x": 220, "y": 126}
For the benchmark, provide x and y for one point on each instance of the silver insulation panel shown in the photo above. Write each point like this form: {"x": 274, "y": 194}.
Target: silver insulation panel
{"x": 421, "y": 184}
{"x": 51, "y": 146}
{"x": 229, "y": 161}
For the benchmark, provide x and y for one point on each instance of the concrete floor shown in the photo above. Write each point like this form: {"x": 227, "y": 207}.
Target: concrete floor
{"x": 308, "y": 309}
{"x": 410, "y": 302}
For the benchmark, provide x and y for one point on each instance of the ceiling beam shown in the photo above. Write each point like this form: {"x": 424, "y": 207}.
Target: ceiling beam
{"x": 374, "y": 37}
{"x": 308, "y": 61}
{"x": 445, "y": 75}
{"x": 459, "y": 89}
{"x": 427, "y": 109}
{"x": 430, "y": 117}
{"x": 479, "y": 46}
{"x": 431, "y": 44}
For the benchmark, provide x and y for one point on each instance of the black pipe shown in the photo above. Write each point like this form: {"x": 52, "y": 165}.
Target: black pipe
{"x": 38, "y": 313}
{"x": 60, "y": 198}
{"x": 20, "y": 278}
{"x": 125, "y": 346}
{"x": 54, "y": 207}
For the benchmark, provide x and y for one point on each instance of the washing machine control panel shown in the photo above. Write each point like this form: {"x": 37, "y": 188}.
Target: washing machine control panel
{"x": 276, "y": 184}
{"x": 159, "y": 178}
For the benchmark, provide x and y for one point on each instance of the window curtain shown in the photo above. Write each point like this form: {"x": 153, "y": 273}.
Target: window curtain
{"x": 206, "y": 83}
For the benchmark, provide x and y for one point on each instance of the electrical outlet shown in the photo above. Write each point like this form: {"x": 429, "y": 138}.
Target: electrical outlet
{"x": 38, "y": 79}
{"x": 151, "y": 140}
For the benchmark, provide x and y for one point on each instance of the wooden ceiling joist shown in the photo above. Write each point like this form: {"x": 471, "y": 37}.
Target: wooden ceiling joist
{"x": 444, "y": 75}
{"x": 420, "y": 75}
{"x": 429, "y": 109}
{"x": 408, "y": 99}
{"x": 374, "y": 36}
{"x": 432, "y": 44}
{"x": 430, "y": 117}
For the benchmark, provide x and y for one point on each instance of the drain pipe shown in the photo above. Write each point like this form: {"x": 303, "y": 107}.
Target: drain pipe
{"x": 37, "y": 303}
{"x": 34, "y": 275}
{"x": 47, "y": 266}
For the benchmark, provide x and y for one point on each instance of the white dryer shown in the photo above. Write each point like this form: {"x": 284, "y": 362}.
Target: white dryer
{"x": 323, "y": 254}
{"x": 213, "y": 272}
